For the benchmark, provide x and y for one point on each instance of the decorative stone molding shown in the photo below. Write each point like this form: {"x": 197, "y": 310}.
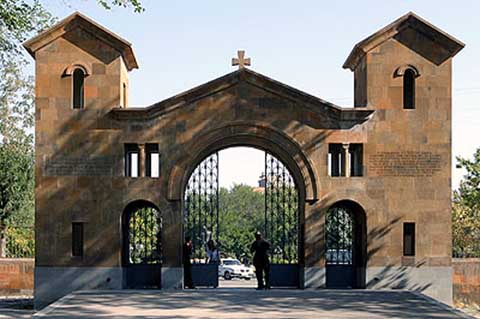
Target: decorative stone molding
{"x": 77, "y": 65}
{"x": 400, "y": 71}
{"x": 244, "y": 134}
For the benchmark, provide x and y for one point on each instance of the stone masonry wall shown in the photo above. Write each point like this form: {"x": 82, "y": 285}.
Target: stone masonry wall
{"x": 466, "y": 281}
{"x": 16, "y": 276}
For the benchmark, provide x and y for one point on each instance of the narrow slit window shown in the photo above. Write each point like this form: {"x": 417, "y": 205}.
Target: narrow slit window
{"x": 77, "y": 239}
{"x": 124, "y": 95}
{"x": 152, "y": 160}
{"x": 409, "y": 239}
{"x": 409, "y": 89}
{"x": 132, "y": 164}
{"x": 78, "y": 89}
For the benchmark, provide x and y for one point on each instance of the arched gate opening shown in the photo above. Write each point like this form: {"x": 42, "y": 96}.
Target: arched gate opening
{"x": 346, "y": 251}
{"x": 142, "y": 245}
{"x": 282, "y": 208}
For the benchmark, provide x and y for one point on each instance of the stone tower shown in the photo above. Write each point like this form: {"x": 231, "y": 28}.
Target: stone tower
{"x": 404, "y": 73}
{"x": 81, "y": 74}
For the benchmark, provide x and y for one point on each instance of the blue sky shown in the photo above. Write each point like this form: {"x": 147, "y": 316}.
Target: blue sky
{"x": 181, "y": 44}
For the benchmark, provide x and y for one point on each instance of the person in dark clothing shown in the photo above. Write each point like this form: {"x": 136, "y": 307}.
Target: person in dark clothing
{"x": 260, "y": 247}
{"x": 187, "y": 263}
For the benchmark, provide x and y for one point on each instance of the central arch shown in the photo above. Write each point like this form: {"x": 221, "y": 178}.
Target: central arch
{"x": 253, "y": 135}
{"x": 276, "y": 143}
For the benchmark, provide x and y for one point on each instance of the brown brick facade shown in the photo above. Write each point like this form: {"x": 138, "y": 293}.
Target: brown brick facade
{"x": 80, "y": 174}
{"x": 16, "y": 276}
{"x": 466, "y": 282}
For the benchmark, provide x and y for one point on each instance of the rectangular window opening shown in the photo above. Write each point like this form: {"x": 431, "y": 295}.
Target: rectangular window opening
{"x": 342, "y": 155}
{"x": 409, "y": 239}
{"x": 335, "y": 154}
{"x": 77, "y": 239}
{"x": 132, "y": 164}
{"x": 356, "y": 159}
{"x": 152, "y": 160}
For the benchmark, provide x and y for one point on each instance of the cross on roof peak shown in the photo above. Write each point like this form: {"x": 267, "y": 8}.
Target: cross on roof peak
{"x": 241, "y": 61}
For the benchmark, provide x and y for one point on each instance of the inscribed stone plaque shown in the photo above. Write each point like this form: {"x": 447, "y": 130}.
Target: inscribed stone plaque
{"x": 404, "y": 164}
{"x": 80, "y": 166}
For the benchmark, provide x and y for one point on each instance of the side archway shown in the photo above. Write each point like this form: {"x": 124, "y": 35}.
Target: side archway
{"x": 346, "y": 245}
{"x": 142, "y": 245}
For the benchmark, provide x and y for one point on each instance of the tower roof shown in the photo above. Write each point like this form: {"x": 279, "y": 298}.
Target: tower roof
{"x": 414, "y": 32}
{"x": 78, "y": 20}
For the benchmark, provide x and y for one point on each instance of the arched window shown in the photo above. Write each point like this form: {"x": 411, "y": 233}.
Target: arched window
{"x": 78, "y": 89}
{"x": 409, "y": 89}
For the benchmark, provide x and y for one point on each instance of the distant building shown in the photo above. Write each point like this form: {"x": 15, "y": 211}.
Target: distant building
{"x": 261, "y": 184}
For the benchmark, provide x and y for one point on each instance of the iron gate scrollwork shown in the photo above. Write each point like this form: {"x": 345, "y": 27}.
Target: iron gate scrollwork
{"x": 281, "y": 222}
{"x": 144, "y": 247}
{"x": 339, "y": 226}
{"x": 202, "y": 218}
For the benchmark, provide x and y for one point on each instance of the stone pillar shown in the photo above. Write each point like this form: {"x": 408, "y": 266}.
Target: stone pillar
{"x": 141, "y": 160}
{"x": 346, "y": 160}
{"x": 314, "y": 272}
{"x": 172, "y": 267}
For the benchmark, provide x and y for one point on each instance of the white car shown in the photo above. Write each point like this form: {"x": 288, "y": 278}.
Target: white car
{"x": 232, "y": 268}
{"x": 339, "y": 256}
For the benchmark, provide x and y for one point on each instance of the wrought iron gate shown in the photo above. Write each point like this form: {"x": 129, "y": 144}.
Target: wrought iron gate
{"x": 202, "y": 218}
{"x": 339, "y": 248}
{"x": 281, "y": 223}
{"x": 144, "y": 248}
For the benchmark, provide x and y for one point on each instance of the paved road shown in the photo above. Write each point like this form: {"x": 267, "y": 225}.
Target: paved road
{"x": 16, "y": 307}
{"x": 237, "y": 283}
{"x": 247, "y": 303}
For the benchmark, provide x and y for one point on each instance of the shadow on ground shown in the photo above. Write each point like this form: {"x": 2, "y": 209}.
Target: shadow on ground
{"x": 248, "y": 303}
{"x": 16, "y": 307}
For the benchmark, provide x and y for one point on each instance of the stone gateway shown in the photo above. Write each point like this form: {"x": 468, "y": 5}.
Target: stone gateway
{"x": 372, "y": 182}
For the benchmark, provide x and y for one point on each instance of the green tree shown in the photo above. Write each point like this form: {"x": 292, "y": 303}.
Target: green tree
{"x": 135, "y": 4}
{"x": 466, "y": 210}
{"x": 242, "y": 212}
{"x": 16, "y": 183}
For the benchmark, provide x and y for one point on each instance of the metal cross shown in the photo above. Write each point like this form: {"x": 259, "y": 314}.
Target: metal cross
{"x": 241, "y": 61}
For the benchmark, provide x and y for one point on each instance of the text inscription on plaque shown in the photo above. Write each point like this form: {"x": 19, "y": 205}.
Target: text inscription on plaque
{"x": 404, "y": 164}
{"x": 88, "y": 166}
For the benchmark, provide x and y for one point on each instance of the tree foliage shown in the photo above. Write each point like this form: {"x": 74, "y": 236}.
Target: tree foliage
{"x": 16, "y": 178}
{"x": 241, "y": 214}
{"x": 466, "y": 210}
{"x": 135, "y": 4}
{"x": 144, "y": 235}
